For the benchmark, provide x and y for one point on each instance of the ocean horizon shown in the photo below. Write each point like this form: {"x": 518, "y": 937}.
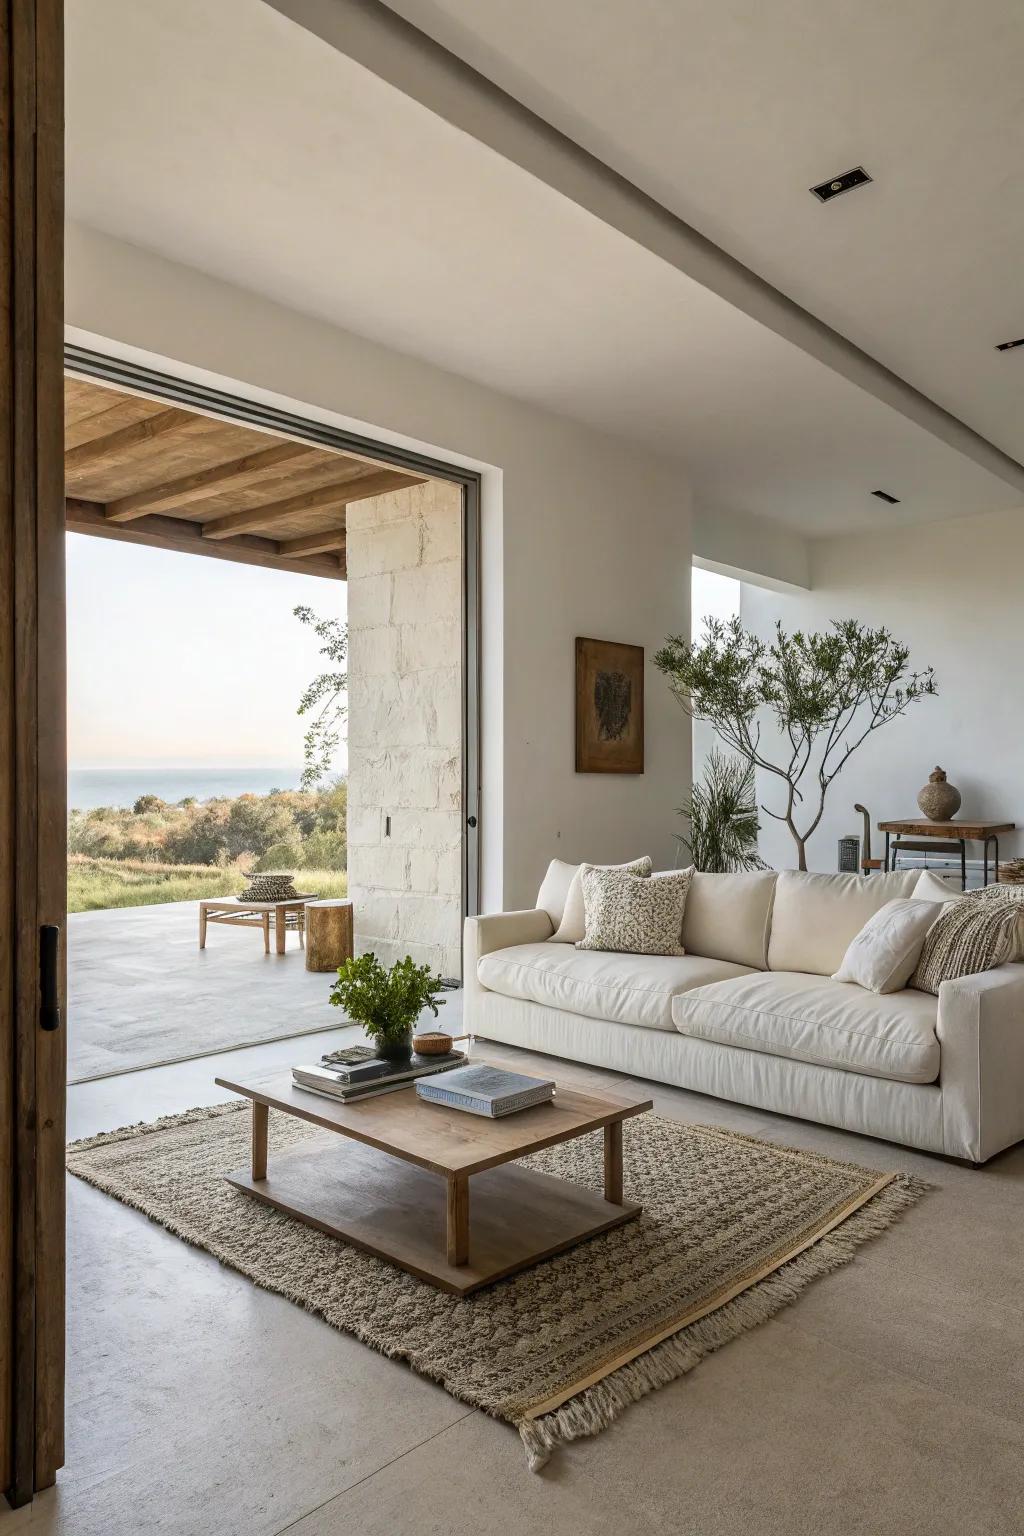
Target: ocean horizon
{"x": 89, "y": 788}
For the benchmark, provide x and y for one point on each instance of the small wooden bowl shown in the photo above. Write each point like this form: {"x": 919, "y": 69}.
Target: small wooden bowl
{"x": 432, "y": 1044}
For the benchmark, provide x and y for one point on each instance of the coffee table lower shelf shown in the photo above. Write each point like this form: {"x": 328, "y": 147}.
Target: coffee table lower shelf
{"x": 397, "y": 1211}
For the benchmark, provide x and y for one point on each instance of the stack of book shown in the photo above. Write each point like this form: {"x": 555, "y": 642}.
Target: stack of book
{"x": 364, "y": 1075}
{"x": 483, "y": 1090}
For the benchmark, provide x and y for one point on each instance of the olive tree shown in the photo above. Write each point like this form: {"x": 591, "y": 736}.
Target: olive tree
{"x": 825, "y": 694}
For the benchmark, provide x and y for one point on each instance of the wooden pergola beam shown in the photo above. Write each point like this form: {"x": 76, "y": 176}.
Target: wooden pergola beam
{"x": 313, "y": 543}
{"x": 127, "y": 437}
{"x": 338, "y": 494}
{"x": 184, "y": 537}
{"x": 202, "y": 482}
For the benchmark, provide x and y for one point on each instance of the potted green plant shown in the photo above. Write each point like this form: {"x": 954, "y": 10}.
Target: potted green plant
{"x": 386, "y": 1001}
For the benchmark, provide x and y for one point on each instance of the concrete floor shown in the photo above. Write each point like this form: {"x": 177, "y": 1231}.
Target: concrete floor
{"x": 888, "y": 1399}
{"x": 141, "y": 991}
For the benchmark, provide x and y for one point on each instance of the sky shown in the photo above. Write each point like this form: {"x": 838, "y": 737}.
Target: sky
{"x": 182, "y": 661}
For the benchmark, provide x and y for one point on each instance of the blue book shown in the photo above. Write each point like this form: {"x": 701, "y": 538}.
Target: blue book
{"x": 484, "y": 1090}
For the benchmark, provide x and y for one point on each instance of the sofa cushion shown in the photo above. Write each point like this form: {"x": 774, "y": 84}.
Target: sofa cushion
{"x": 808, "y": 1018}
{"x": 573, "y": 924}
{"x": 625, "y": 989}
{"x": 884, "y": 955}
{"x": 554, "y": 889}
{"x": 627, "y": 914}
{"x": 814, "y": 917}
{"x": 727, "y": 917}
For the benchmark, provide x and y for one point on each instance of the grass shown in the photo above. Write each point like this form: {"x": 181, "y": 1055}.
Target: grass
{"x": 97, "y": 884}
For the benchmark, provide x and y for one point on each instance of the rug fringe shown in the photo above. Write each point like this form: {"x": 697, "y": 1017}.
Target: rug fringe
{"x": 597, "y": 1407}
{"x": 165, "y": 1123}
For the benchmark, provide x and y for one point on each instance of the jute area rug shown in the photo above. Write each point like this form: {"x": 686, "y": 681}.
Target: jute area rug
{"x": 733, "y": 1229}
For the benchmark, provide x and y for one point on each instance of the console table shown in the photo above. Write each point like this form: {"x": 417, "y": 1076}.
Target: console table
{"x": 920, "y": 836}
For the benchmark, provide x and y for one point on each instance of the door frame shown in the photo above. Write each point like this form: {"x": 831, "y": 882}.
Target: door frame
{"x": 89, "y": 364}
{"x": 33, "y": 818}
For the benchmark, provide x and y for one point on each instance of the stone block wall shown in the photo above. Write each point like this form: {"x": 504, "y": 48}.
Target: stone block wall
{"x": 404, "y": 554}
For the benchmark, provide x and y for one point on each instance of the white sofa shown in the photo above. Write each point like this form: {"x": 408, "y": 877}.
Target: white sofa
{"x": 750, "y": 1013}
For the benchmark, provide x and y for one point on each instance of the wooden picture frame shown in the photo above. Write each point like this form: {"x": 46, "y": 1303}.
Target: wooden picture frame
{"x": 609, "y": 707}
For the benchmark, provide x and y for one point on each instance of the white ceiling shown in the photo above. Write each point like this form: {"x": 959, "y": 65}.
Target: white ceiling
{"x": 727, "y": 112}
{"x": 229, "y": 139}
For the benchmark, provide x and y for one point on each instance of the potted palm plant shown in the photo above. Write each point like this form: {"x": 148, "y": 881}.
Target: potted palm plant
{"x": 386, "y": 1001}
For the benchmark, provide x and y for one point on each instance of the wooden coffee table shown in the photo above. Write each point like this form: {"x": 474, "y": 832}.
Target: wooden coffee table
{"x": 257, "y": 914}
{"x": 396, "y": 1183}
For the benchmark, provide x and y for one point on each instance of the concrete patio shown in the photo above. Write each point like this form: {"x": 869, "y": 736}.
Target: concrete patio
{"x": 141, "y": 992}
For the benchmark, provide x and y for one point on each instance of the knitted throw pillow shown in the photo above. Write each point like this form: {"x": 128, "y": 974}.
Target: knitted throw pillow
{"x": 632, "y": 914}
{"x": 1014, "y": 893}
{"x": 573, "y": 925}
{"x": 969, "y": 936}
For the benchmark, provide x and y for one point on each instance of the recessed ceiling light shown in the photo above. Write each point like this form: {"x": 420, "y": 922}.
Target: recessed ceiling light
{"x": 1008, "y": 346}
{"x": 892, "y": 501}
{"x": 826, "y": 190}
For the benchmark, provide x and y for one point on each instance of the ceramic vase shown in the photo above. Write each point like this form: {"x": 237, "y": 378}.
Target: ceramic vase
{"x": 939, "y": 800}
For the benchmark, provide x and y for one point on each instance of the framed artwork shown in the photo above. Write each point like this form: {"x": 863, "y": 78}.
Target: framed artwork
{"x": 609, "y": 707}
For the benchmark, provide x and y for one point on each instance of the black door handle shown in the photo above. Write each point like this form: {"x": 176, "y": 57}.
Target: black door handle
{"x": 49, "y": 990}
{"x": 470, "y": 821}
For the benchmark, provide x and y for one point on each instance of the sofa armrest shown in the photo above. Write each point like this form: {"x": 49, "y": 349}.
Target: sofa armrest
{"x": 496, "y": 930}
{"x": 980, "y": 1027}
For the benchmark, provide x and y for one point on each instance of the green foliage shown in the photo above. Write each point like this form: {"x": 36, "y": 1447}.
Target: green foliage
{"x": 325, "y": 850}
{"x": 221, "y": 832}
{"x": 98, "y": 884}
{"x": 386, "y": 1002}
{"x": 281, "y": 856}
{"x": 722, "y": 812}
{"x": 322, "y": 700}
{"x": 826, "y": 693}
{"x": 255, "y": 823}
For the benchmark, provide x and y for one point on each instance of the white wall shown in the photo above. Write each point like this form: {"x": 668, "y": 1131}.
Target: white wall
{"x": 951, "y": 591}
{"x": 583, "y": 535}
{"x": 736, "y": 544}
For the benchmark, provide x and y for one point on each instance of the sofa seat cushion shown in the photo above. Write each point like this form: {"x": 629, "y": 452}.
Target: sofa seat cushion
{"x": 624, "y": 989}
{"x": 815, "y": 1019}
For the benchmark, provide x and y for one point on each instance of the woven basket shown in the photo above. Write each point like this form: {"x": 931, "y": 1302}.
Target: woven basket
{"x": 434, "y": 1043}
{"x": 1011, "y": 872}
{"x": 270, "y": 887}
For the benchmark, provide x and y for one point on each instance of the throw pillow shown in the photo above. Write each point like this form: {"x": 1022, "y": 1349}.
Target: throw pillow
{"x": 968, "y": 937}
{"x": 573, "y": 925}
{"x": 1014, "y": 893}
{"x": 634, "y": 914}
{"x": 884, "y": 955}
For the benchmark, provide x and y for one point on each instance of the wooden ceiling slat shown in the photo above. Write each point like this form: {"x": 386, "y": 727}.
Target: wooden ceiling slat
{"x": 313, "y": 543}
{"x": 126, "y": 437}
{"x": 338, "y": 494}
{"x": 175, "y": 533}
{"x": 189, "y": 488}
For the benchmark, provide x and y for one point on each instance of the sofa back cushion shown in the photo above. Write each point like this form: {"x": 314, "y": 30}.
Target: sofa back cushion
{"x": 554, "y": 889}
{"x": 728, "y": 917}
{"x": 814, "y": 917}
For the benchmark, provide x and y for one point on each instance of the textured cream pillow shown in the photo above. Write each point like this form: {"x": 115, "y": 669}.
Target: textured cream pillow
{"x": 884, "y": 955}
{"x": 634, "y": 914}
{"x": 968, "y": 937}
{"x": 573, "y": 925}
{"x": 1012, "y": 893}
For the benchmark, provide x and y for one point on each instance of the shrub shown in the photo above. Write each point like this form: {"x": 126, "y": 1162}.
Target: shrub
{"x": 325, "y": 850}
{"x": 282, "y": 856}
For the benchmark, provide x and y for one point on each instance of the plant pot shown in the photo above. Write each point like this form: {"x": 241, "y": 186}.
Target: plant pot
{"x": 396, "y": 1048}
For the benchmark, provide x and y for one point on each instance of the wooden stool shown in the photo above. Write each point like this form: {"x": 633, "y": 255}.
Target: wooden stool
{"x": 328, "y": 934}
